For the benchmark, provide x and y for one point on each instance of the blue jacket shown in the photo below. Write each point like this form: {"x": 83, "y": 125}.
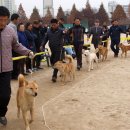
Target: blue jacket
{"x": 115, "y": 32}
{"x": 31, "y": 40}
{"x": 23, "y": 39}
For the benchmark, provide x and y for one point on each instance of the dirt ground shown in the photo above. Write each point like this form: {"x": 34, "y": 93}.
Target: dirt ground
{"x": 96, "y": 100}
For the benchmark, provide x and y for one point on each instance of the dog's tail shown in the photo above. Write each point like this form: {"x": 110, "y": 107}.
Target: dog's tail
{"x": 21, "y": 80}
{"x": 69, "y": 58}
{"x": 97, "y": 50}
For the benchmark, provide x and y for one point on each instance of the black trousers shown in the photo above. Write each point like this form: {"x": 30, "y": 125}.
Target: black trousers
{"x": 5, "y": 92}
{"x": 38, "y": 61}
{"x": 78, "y": 50}
{"x": 21, "y": 66}
{"x": 115, "y": 46}
{"x": 56, "y": 56}
{"x": 16, "y": 69}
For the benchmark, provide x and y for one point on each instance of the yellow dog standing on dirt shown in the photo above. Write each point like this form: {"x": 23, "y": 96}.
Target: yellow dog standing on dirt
{"x": 124, "y": 49}
{"x": 26, "y": 94}
{"x": 66, "y": 68}
{"x": 103, "y": 51}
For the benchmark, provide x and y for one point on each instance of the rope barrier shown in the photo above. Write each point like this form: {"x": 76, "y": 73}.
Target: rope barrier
{"x": 23, "y": 57}
{"x": 67, "y": 46}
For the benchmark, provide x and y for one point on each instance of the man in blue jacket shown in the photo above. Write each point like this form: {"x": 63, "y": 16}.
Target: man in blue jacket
{"x": 115, "y": 33}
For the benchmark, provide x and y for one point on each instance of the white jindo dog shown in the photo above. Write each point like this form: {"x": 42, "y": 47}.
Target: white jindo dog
{"x": 91, "y": 57}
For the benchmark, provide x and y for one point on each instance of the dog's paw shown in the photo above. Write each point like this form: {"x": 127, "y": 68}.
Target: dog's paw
{"x": 28, "y": 128}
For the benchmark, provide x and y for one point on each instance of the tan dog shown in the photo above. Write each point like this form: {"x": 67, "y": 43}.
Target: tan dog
{"x": 26, "y": 94}
{"x": 124, "y": 49}
{"x": 66, "y": 68}
{"x": 103, "y": 52}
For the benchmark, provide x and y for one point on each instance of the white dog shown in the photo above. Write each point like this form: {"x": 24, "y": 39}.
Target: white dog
{"x": 90, "y": 58}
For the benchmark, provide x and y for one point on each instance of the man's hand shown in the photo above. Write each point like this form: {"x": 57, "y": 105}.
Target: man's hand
{"x": 65, "y": 31}
{"x": 42, "y": 48}
{"x": 31, "y": 55}
{"x": 101, "y": 37}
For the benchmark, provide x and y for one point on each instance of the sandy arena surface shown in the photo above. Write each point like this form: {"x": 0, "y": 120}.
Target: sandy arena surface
{"x": 96, "y": 100}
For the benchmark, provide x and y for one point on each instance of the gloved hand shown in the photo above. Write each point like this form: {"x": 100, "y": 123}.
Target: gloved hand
{"x": 31, "y": 55}
{"x": 42, "y": 48}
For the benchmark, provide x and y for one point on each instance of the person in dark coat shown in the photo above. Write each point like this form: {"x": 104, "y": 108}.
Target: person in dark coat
{"x": 61, "y": 23}
{"x": 115, "y": 34}
{"x": 22, "y": 36}
{"x": 128, "y": 34}
{"x": 43, "y": 29}
{"x": 38, "y": 41}
{"x": 96, "y": 32}
{"x": 105, "y": 36}
{"x": 55, "y": 37}
{"x": 31, "y": 41}
{"x": 77, "y": 33}
{"x": 23, "y": 40}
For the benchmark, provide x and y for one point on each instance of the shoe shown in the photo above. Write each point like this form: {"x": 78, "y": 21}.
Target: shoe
{"x": 40, "y": 68}
{"x": 29, "y": 71}
{"x": 78, "y": 68}
{"x": 35, "y": 69}
{"x": 3, "y": 121}
{"x": 116, "y": 55}
{"x": 54, "y": 79}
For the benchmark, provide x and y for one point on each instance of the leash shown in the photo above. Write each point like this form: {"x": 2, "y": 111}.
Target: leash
{"x": 31, "y": 70}
{"x": 61, "y": 54}
{"x": 53, "y": 99}
{"x": 64, "y": 92}
{"x": 44, "y": 118}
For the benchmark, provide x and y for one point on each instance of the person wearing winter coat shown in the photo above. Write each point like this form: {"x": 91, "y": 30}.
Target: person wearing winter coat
{"x": 77, "y": 32}
{"x": 8, "y": 42}
{"x": 23, "y": 40}
{"x": 31, "y": 41}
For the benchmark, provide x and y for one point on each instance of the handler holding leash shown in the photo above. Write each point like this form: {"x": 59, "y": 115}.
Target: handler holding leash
{"x": 115, "y": 34}
{"x": 77, "y": 32}
{"x": 96, "y": 32}
{"x": 8, "y": 41}
{"x": 55, "y": 37}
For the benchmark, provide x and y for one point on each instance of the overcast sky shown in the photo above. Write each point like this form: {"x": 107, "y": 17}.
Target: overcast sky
{"x": 66, "y": 4}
